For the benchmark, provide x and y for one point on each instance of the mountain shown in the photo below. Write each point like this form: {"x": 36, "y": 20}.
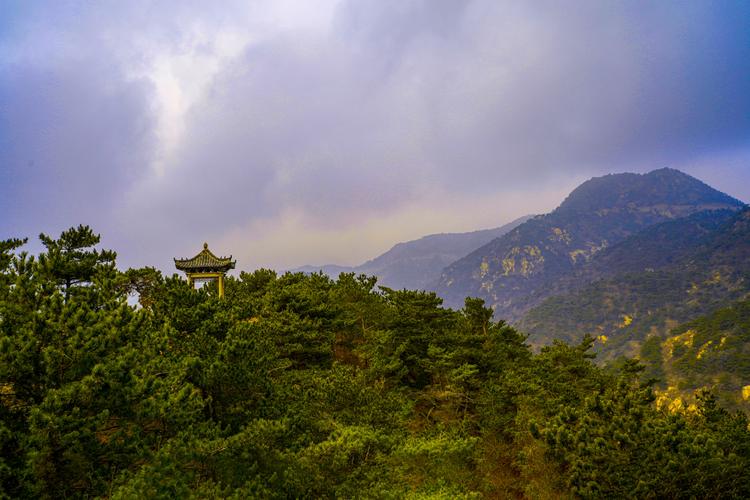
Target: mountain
{"x": 515, "y": 272}
{"x": 651, "y": 282}
{"x": 416, "y": 264}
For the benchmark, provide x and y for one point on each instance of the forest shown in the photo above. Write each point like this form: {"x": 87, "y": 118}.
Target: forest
{"x": 303, "y": 386}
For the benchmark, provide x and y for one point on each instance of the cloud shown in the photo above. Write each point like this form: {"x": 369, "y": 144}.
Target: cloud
{"x": 274, "y": 123}
{"x": 72, "y": 139}
{"x": 280, "y": 240}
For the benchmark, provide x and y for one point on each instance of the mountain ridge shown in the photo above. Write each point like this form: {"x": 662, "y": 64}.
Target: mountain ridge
{"x": 415, "y": 264}
{"x": 664, "y": 186}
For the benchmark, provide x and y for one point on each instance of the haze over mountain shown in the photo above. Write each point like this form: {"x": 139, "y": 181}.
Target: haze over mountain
{"x": 514, "y": 272}
{"x": 418, "y": 263}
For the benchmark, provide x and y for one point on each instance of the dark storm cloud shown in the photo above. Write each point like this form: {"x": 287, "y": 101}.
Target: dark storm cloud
{"x": 536, "y": 87}
{"x": 358, "y": 113}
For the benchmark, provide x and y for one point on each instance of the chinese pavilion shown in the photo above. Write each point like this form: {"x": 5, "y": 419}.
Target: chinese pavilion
{"x": 206, "y": 267}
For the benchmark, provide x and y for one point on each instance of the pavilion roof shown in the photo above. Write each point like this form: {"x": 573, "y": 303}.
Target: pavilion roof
{"x": 205, "y": 261}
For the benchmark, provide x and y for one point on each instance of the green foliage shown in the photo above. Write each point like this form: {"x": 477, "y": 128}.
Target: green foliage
{"x": 711, "y": 351}
{"x": 618, "y": 445}
{"x": 298, "y": 386}
{"x": 71, "y": 260}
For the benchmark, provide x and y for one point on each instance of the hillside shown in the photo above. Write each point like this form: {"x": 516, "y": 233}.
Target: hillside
{"x": 657, "y": 279}
{"x": 654, "y": 248}
{"x": 510, "y": 271}
{"x": 416, "y": 264}
{"x": 711, "y": 352}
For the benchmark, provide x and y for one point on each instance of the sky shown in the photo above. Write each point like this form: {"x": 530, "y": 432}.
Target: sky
{"x": 299, "y": 132}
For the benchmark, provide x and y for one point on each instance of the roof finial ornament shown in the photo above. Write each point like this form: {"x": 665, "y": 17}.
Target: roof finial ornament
{"x": 205, "y": 246}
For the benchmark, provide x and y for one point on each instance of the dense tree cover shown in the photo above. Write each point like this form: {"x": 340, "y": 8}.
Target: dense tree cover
{"x": 302, "y": 386}
{"x": 711, "y": 351}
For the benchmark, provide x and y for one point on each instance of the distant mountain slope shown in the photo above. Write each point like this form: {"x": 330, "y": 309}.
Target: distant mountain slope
{"x": 603, "y": 211}
{"x": 693, "y": 274}
{"x": 711, "y": 352}
{"x": 416, "y": 264}
{"x": 651, "y": 249}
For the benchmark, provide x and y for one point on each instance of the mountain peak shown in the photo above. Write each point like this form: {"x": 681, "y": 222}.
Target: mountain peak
{"x": 664, "y": 186}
